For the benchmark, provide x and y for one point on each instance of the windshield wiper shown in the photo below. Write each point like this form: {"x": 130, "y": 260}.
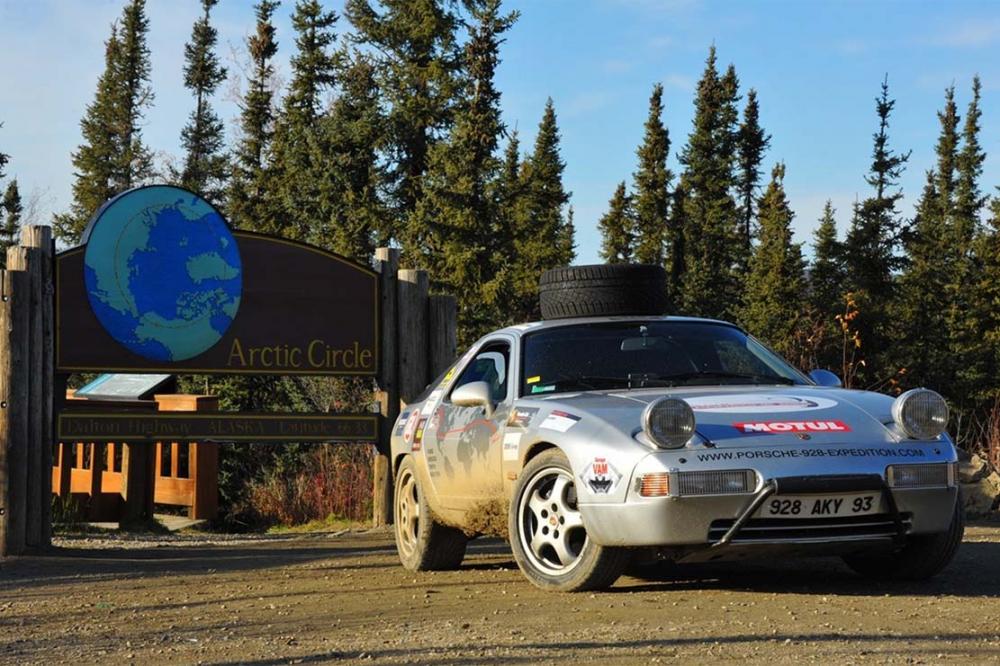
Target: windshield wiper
{"x": 712, "y": 374}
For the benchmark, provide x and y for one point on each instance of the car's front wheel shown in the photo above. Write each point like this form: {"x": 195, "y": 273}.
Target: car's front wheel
{"x": 423, "y": 543}
{"x": 923, "y": 556}
{"x": 547, "y": 534}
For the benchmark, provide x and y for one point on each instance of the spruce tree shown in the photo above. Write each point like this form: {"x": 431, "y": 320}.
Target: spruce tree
{"x": 872, "y": 240}
{"x": 352, "y": 216}
{"x": 297, "y": 155}
{"x": 11, "y": 210}
{"x": 251, "y": 196}
{"x": 711, "y": 284}
{"x": 752, "y": 143}
{"x": 984, "y": 369}
{"x": 677, "y": 226}
{"x": 510, "y": 201}
{"x": 652, "y": 184}
{"x": 206, "y": 164}
{"x": 455, "y": 222}
{"x": 965, "y": 335}
{"x": 826, "y": 289}
{"x": 112, "y": 157}
{"x": 618, "y": 228}
{"x": 417, "y": 59}
{"x": 543, "y": 237}
{"x": 772, "y": 302}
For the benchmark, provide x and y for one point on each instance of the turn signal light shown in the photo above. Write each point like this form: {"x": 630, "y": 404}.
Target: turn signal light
{"x": 654, "y": 485}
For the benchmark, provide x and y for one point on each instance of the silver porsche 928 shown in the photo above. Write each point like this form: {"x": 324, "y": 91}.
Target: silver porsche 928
{"x": 597, "y": 442}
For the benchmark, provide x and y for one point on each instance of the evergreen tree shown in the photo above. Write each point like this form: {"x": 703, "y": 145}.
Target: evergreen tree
{"x": 751, "y": 146}
{"x": 652, "y": 184}
{"x": 251, "y": 195}
{"x": 711, "y": 285}
{"x": 205, "y": 165}
{"x": 965, "y": 335}
{"x": 417, "y": 61}
{"x": 871, "y": 243}
{"x": 455, "y": 222}
{"x": 774, "y": 291}
{"x": 510, "y": 201}
{"x": 11, "y": 210}
{"x": 543, "y": 238}
{"x": 353, "y": 217}
{"x": 113, "y": 157}
{"x": 985, "y": 313}
{"x": 617, "y": 228}
{"x": 676, "y": 226}
{"x": 826, "y": 289}
{"x": 297, "y": 155}
{"x": 922, "y": 301}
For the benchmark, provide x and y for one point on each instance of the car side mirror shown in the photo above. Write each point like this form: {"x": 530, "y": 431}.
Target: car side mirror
{"x": 474, "y": 394}
{"x": 826, "y": 378}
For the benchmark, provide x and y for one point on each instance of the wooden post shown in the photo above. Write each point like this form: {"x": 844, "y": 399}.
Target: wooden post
{"x": 412, "y": 323}
{"x": 14, "y": 302}
{"x": 40, "y": 237}
{"x": 29, "y": 260}
{"x": 442, "y": 333}
{"x": 138, "y": 484}
{"x": 387, "y": 264}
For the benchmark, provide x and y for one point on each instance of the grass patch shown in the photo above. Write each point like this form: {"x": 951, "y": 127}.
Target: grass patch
{"x": 331, "y": 523}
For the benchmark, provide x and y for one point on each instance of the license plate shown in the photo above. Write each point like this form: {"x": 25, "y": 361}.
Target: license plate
{"x": 821, "y": 506}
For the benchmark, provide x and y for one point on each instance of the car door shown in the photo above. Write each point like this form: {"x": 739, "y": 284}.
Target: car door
{"x": 469, "y": 442}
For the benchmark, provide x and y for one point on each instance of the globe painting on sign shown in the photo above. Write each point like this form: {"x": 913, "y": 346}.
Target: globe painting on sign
{"x": 163, "y": 272}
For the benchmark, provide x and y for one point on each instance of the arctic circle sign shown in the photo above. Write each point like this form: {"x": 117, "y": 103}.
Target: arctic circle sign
{"x": 162, "y": 284}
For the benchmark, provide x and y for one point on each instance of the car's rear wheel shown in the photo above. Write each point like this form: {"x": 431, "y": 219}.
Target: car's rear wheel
{"x": 923, "y": 556}
{"x": 423, "y": 543}
{"x": 548, "y": 537}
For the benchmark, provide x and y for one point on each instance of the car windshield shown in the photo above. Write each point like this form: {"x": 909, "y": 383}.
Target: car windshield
{"x": 643, "y": 354}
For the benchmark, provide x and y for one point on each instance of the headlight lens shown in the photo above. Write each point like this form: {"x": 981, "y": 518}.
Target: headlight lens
{"x": 668, "y": 422}
{"x": 921, "y": 414}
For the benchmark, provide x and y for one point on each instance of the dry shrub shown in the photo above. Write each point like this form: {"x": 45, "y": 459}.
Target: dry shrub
{"x": 332, "y": 480}
{"x": 979, "y": 432}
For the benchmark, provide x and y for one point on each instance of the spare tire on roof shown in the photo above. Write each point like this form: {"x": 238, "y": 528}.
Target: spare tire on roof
{"x": 603, "y": 290}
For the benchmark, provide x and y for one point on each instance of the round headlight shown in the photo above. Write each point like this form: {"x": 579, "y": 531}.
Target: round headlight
{"x": 921, "y": 413}
{"x": 669, "y": 422}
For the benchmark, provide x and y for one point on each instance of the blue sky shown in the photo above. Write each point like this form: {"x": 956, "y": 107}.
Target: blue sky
{"x": 816, "y": 66}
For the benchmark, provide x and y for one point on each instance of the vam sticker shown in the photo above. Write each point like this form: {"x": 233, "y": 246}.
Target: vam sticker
{"x": 601, "y": 477}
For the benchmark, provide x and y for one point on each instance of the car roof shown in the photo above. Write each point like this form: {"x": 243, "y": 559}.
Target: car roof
{"x": 531, "y": 327}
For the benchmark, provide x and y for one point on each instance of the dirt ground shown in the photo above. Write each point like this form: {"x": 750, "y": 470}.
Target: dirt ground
{"x": 343, "y": 597}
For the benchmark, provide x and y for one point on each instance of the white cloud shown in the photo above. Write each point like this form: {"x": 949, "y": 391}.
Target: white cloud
{"x": 969, "y": 34}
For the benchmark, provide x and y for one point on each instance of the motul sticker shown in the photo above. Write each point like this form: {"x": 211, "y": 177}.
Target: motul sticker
{"x": 601, "y": 477}
{"x": 755, "y": 403}
{"x": 755, "y": 427}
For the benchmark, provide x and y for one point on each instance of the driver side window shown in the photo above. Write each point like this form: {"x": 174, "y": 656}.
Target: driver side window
{"x": 490, "y": 366}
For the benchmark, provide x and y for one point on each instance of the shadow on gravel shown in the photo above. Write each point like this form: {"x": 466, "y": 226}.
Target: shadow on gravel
{"x": 937, "y": 644}
{"x": 70, "y": 564}
{"x": 975, "y": 572}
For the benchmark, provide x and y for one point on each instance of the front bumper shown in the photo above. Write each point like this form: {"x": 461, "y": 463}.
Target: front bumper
{"x": 727, "y": 521}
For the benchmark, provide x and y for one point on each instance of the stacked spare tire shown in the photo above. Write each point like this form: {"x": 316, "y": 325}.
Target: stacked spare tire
{"x": 603, "y": 290}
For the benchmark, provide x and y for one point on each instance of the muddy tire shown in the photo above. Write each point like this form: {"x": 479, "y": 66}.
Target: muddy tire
{"x": 547, "y": 534}
{"x": 423, "y": 543}
{"x": 603, "y": 290}
{"x": 922, "y": 557}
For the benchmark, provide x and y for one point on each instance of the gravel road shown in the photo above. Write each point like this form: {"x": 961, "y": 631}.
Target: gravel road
{"x": 343, "y": 597}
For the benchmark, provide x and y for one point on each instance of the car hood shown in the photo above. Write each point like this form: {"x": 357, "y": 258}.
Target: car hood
{"x": 751, "y": 415}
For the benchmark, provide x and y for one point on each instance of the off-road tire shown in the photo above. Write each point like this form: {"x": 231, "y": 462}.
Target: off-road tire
{"x": 922, "y": 557}
{"x": 431, "y": 546}
{"x": 603, "y": 290}
{"x": 597, "y": 567}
